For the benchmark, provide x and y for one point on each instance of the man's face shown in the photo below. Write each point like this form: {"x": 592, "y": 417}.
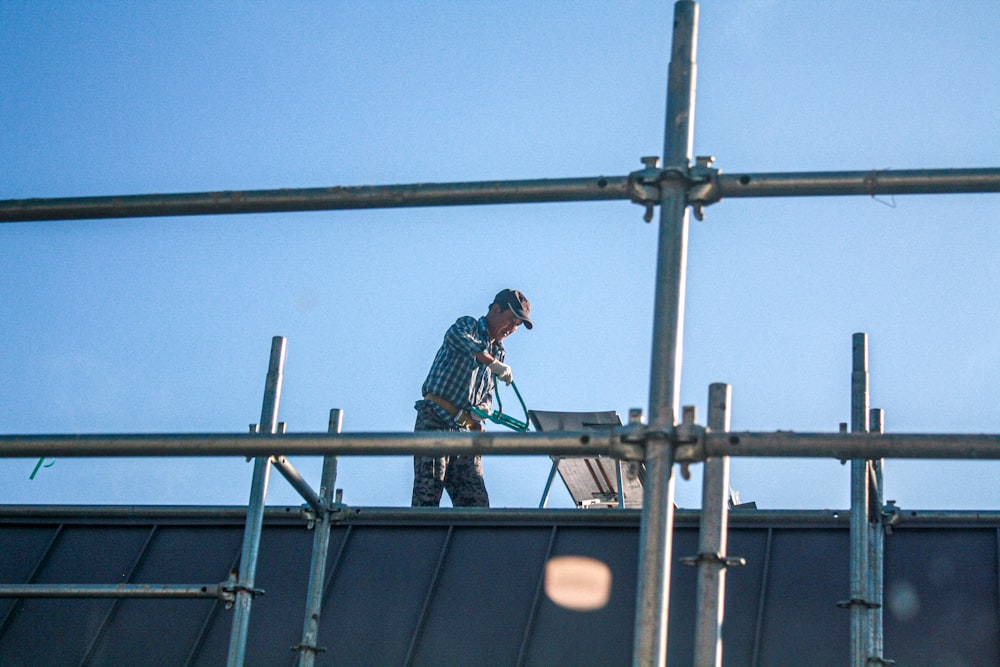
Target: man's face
{"x": 502, "y": 323}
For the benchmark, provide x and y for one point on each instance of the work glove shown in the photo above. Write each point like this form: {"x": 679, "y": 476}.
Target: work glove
{"x": 502, "y": 371}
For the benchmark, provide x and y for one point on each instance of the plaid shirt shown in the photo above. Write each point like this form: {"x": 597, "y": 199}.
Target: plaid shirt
{"x": 455, "y": 373}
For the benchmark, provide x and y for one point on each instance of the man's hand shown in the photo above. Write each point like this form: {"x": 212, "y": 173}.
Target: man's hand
{"x": 502, "y": 371}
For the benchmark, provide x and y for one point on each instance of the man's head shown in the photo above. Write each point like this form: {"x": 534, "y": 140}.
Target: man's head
{"x": 509, "y": 309}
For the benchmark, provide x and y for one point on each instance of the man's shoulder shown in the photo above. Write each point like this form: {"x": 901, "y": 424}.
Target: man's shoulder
{"x": 466, "y": 322}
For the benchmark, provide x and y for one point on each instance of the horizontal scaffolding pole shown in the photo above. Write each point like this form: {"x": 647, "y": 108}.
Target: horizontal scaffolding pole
{"x": 846, "y": 446}
{"x": 426, "y": 443}
{"x": 593, "y": 188}
{"x": 110, "y": 591}
{"x": 878, "y": 182}
{"x": 172, "y": 515}
{"x": 316, "y": 199}
{"x": 842, "y": 446}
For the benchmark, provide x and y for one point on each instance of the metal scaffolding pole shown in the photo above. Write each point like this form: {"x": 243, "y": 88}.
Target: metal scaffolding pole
{"x": 858, "y": 603}
{"x": 871, "y": 183}
{"x": 620, "y": 444}
{"x": 255, "y": 512}
{"x": 656, "y": 531}
{"x": 713, "y": 537}
{"x": 321, "y": 546}
{"x": 587, "y": 188}
{"x": 594, "y": 188}
{"x": 876, "y": 546}
{"x": 112, "y": 591}
{"x": 288, "y": 471}
{"x": 408, "y": 443}
{"x": 845, "y": 446}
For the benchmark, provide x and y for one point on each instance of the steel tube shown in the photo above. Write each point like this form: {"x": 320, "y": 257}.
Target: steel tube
{"x": 289, "y": 472}
{"x": 876, "y": 546}
{"x": 656, "y": 531}
{"x": 593, "y": 188}
{"x": 428, "y": 443}
{"x": 713, "y": 539}
{"x": 255, "y": 509}
{"x": 843, "y": 446}
{"x": 109, "y": 591}
{"x": 321, "y": 547}
{"x": 860, "y": 630}
{"x": 879, "y": 182}
{"x": 173, "y": 515}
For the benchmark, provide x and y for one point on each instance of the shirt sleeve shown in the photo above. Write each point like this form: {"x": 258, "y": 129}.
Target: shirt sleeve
{"x": 461, "y": 337}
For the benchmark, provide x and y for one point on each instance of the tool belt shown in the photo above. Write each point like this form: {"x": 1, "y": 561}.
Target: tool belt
{"x": 461, "y": 417}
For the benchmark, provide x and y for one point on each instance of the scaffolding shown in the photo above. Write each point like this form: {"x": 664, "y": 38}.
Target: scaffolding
{"x": 665, "y": 438}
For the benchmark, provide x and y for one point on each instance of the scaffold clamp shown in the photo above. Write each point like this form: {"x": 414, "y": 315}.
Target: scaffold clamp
{"x": 715, "y": 558}
{"x": 704, "y": 185}
{"x": 644, "y": 185}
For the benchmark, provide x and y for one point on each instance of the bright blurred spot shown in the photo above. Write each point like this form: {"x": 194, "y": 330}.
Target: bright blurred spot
{"x": 578, "y": 582}
{"x": 903, "y": 600}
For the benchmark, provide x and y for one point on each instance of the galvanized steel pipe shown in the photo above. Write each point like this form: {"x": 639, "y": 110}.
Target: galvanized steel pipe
{"x": 255, "y": 509}
{"x": 308, "y": 648}
{"x": 860, "y": 499}
{"x": 843, "y": 446}
{"x": 109, "y": 591}
{"x": 588, "y": 188}
{"x": 427, "y": 443}
{"x": 594, "y": 188}
{"x": 713, "y": 539}
{"x": 846, "y": 446}
{"x": 656, "y": 532}
{"x": 873, "y": 182}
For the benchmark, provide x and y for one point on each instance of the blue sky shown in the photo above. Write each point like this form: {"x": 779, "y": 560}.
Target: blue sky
{"x": 164, "y": 325}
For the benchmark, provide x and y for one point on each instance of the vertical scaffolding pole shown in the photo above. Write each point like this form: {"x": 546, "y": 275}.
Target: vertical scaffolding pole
{"x": 255, "y": 510}
{"x": 859, "y": 507}
{"x": 656, "y": 533}
{"x": 713, "y": 539}
{"x": 321, "y": 547}
{"x": 876, "y": 546}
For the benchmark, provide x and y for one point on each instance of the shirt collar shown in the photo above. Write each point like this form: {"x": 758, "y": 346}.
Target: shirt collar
{"x": 484, "y": 331}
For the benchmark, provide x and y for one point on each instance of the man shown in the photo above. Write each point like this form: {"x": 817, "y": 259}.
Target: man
{"x": 461, "y": 378}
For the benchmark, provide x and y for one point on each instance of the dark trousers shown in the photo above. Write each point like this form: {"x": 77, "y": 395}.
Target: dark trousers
{"x": 460, "y": 476}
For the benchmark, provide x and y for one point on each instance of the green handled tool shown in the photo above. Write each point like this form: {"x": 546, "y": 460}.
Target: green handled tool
{"x": 498, "y": 417}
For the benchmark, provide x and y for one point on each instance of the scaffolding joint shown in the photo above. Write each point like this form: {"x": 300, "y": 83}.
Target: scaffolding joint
{"x": 644, "y": 185}
{"x": 335, "y": 510}
{"x": 308, "y": 648}
{"x": 703, "y": 185}
{"x": 858, "y": 602}
{"x": 231, "y": 587}
{"x": 631, "y": 442}
{"x": 689, "y": 444}
{"x": 715, "y": 558}
{"x": 890, "y": 516}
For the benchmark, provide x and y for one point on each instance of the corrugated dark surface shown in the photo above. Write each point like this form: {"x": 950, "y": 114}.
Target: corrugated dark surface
{"x": 454, "y": 587}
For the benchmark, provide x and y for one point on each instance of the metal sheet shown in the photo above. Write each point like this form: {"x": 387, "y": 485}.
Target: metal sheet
{"x": 591, "y": 481}
{"x": 462, "y": 587}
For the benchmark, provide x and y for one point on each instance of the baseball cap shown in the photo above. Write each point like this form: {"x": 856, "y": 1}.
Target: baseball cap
{"x": 513, "y": 299}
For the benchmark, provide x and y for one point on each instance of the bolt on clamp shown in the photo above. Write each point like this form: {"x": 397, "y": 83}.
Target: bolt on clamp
{"x": 644, "y": 185}
{"x": 704, "y": 185}
{"x": 713, "y": 557}
{"x": 702, "y": 181}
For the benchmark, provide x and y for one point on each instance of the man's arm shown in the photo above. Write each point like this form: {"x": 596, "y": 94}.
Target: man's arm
{"x": 499, "y": 368}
